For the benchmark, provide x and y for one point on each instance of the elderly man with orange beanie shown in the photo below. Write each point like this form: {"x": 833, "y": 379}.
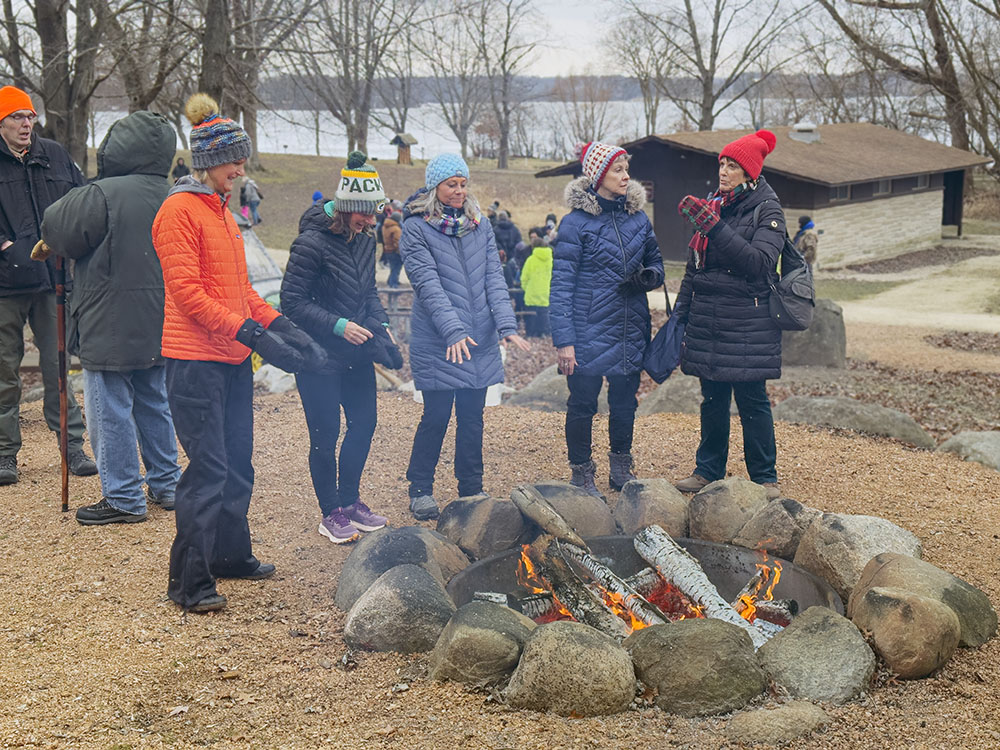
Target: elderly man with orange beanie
{"x": 34, "y": 173}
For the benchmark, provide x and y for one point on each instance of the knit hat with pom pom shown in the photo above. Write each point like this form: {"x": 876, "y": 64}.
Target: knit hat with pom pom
{"x": 214, "y": 139}
{"x": 360, "y": 190}
{"x": 750, "y": 150}
{"x": 597, "y": 159}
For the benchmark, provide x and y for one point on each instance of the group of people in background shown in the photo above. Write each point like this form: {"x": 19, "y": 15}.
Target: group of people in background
{"x": 164, "y": 320}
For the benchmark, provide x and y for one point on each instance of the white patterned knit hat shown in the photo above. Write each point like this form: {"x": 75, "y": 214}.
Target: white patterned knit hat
{"x": 597, "y": 159}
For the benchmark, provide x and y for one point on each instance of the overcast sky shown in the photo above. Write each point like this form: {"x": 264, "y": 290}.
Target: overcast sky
{"x": 570, "y": 33}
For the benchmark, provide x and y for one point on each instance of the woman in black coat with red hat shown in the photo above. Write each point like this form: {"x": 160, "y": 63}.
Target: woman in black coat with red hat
{"x": 730, "y": 342}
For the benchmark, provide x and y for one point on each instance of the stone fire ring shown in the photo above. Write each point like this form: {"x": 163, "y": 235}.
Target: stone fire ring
{"x": 727, "y": 566}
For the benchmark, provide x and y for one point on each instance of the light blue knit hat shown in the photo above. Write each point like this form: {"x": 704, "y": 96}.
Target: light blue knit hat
{"x": 443, "y": 166}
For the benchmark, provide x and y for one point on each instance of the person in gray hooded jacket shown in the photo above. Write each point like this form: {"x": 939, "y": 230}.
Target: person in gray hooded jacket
{"x": 116, "y": 315}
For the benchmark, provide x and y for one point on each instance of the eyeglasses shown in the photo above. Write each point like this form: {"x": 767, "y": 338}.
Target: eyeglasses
{"x": 20, "y": 117}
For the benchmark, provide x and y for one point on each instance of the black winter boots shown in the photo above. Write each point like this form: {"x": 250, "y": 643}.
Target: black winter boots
{"x": 621, "y": 470}
{"x": 583, "y": 477}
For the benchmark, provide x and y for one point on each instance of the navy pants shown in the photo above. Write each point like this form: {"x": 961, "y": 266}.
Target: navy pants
{"x": 212, "y": 407}
{"x": 582, "y": 406}
{"x": 322, "y": 397}
{"x": 759, "y": 450}
{"x": 469, "y": 404}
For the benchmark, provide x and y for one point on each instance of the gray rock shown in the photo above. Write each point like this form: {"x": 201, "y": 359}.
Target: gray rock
{"x": 549, "y": 392}
{"x": 33, "y": 394}
{"x": 975, "y": 613}
{"x": 982, "y": 446}
{"x": 698, "y": 667}
{"x": 850, "y": 414}
{"x": 405, "y": 610}
{"x": 481, "y": 644}
{"x": 273, "y": 379}
{"x": 386, "y": 548}
{"x": 644, "y": 502}
{"x": 837, "y": 546}
{"x": 587, "y": 515}
{"x": 722, "y": 508}
{"x": 777, "y": 528}
{"x": 821, "y": 656}
{"x": 482, "y": 526}
{"x": 678, "y": 394}
{"x": 913, "y": 634}
{"x": 823, "y": 344}
{"x": 776, "y": 726}
{"x": 572, "y": 670}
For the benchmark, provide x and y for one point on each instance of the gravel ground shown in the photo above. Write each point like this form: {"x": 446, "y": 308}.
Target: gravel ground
{"x": 95, "y": 656}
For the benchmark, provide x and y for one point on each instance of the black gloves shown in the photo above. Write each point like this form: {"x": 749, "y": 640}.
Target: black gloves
{"x": 642, "y": 281}
{"x": 381, "y": 349}
{"x": 313, "y": 354}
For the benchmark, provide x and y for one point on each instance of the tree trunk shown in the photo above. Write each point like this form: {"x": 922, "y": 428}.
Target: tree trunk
{"x": 215, "y": 50}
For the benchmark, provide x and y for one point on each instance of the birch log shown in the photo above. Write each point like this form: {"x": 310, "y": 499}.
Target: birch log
{"x": 535, "y": 507}
{"x": 658, "y": 548}
{"x": 584, "y": 605}
{"x": 635, "y": 602}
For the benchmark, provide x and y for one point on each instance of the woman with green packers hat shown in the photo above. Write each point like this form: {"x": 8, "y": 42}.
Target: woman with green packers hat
{"x": 329, "y": 291}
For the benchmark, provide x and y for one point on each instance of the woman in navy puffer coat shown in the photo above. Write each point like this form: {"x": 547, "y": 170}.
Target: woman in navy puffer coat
{"x": 461, "y": 309}
{"x": 730, "y": 341}
{"x": 606, "y": 259}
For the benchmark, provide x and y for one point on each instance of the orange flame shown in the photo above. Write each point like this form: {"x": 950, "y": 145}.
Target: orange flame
{"x": 529, "y": 578}
{"x": 769, "y": 577}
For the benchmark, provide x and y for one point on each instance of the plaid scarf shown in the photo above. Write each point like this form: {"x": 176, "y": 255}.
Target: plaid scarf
{"x": 453, "y": 222}
{"x": 710, "y": 215}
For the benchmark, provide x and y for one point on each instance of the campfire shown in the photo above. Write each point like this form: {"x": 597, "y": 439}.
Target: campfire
{"x": 559, "y": 578}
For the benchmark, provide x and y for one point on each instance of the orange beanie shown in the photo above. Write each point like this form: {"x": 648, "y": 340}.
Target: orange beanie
{"x": 12, "y": 99}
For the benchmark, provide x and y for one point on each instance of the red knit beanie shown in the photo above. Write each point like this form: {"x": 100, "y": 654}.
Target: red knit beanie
{"x": 750, "y": 150}
{"x": 12, "y": 100}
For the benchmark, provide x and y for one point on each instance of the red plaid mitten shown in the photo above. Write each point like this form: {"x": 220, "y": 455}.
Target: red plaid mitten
{"x": 704, "y": 214}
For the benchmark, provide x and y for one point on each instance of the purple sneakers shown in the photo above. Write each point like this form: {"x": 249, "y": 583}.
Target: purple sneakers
{"x": 338, "y": 528}
{"x": 362, "y": 517}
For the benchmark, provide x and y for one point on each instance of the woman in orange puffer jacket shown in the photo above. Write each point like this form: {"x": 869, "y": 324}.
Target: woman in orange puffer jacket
{"x": 212, "y": 320}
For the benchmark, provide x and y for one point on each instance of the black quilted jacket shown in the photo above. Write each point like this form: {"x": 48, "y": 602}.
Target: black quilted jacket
{"x": 730, "y": 336}
{"x": 328, "y": 278}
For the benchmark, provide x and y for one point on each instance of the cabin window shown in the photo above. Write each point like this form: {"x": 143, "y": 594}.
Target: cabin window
{"x": 840, "y": 193}
{"x": 923, "y": 181}
{"x": 883, "y": 187}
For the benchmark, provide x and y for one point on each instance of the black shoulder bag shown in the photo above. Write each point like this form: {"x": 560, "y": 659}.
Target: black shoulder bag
{"x": 793, "y": 298}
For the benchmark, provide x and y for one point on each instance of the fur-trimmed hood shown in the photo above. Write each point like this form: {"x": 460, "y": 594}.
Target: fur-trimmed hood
{"x": 579, "y": 195}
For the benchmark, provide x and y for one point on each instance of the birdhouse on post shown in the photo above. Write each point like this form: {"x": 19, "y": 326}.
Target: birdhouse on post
{"x": 402, "y": 142}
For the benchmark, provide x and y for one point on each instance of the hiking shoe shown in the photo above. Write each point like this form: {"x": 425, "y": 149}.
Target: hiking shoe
{"x": 81, "y": 465}
{"x": 8, "y": 470}
{"x": 101, "y": 513}
{"x": 211, "y": 603}
{"x": 773, "y": 491}
{"x": 424, "y": 507}
{"x": 362, "y": 517}
{"x": 620, "y": 465}
{"x": 338, "y": 528}
{"x": 583, "y": 477}
{"x": 165, "y": 499}
{"x": 694, "y": 483}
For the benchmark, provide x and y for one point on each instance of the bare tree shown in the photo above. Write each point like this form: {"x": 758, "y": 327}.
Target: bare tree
{"x": 498, "y": 28}
{"x": 645, "y": 57}
{"x": 586, "y": 101}
{"x": 718, "y": 50}
{"x": 395, "y": 87}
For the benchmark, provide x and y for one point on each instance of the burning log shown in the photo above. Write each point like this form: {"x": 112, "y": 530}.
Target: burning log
{"x": 644, "y": 581}
{"x": 534, "y": 506}
{"x": 749, "y": 591}
{"x": 584, "y": 605}
{"x": 634, "y": 602}
{"x": 656, "y": 547}
{"x": 532, "y": 606}
{"x": 777, "y": 611}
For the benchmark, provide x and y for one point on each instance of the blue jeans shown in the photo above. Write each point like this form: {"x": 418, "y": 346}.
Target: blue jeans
{"x": 759, "y": 450}
{"x": 254, "y": 216}
{"x": 395, "y": 261}
{"x": 123, "y": 408}
{"x": 582, "y": 406}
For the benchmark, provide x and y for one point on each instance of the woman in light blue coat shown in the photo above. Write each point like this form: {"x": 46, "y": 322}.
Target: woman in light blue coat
{"x": 461, "y": 310}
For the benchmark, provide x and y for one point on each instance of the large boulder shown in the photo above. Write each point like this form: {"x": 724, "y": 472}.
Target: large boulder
{"x": 777, "y": 528}
{"x": 837, "y": 547}
{"x": 572, "y": 670}
{"x": 913, "y": 634}
{"x": 645, "y": 502}
{"x": 587, "y": 515}
{"x": 820, "y": 656}
{"x": 823, "y": 344}
{"x": 678, "y": 394}
{"x": 549, "y": 392}
{"x": 975, "y": 614}
{"x": 850, "y": 414}
{"x": 481, "y": 525}
{"x": 982, "y": 446}
{"x": 698, "y": 667}
{"x": 386, "y": 548}
{"x": 480, "y": 645}
{"x": 776, "y": 726}
{"x": 722, "y": 508}
{"x": 405, "y": 610}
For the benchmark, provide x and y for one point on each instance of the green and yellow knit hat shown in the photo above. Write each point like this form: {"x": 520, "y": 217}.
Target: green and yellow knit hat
{"x": 360, "y": 190}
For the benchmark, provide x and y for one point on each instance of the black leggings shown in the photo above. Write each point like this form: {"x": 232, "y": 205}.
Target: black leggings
{"x": 322, "y": 396}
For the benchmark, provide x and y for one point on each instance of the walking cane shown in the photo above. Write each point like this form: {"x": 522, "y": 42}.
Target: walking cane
{"x": 63, "y": 395}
